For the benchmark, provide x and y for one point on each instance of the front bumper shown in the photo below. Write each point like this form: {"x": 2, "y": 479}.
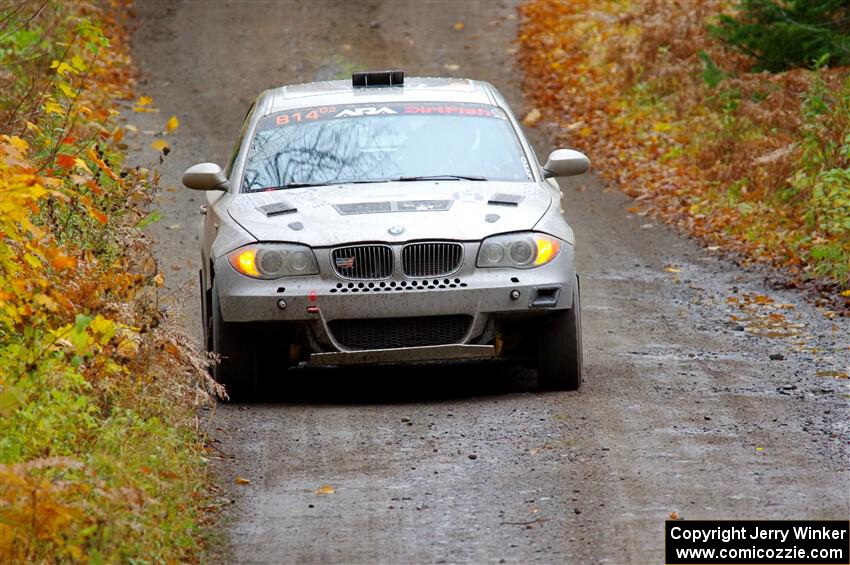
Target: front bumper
{"x": 319, "y": 299}
{"x": 404, "y": 355}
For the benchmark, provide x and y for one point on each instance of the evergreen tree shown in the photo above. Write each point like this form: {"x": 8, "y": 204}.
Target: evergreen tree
{"x": 789, "y": 33}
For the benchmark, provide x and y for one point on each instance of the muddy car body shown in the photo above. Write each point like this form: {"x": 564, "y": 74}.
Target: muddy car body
{"x": 383, "y": 220}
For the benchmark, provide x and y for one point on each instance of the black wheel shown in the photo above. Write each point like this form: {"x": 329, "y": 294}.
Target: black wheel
{"x": 235, "y": 343}
{"x": 206, "y": 307}
{"x": 559, "y": 359}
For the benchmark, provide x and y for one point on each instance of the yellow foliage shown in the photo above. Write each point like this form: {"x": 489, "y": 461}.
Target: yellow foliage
{"x": 74, "y": 381}
{"x": 35, "y": 509}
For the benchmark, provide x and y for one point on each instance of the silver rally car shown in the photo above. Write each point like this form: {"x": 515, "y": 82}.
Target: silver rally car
{"x": 387, "y": 220}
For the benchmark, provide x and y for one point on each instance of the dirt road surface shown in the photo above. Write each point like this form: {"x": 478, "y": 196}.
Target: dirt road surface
{"x": 682, "y": 409}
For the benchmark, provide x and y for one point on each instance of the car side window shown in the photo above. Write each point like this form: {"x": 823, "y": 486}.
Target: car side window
{"x": 235, "y": 153}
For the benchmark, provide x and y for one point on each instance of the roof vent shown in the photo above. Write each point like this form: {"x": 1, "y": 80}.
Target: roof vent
{"x": 377, "y": 78}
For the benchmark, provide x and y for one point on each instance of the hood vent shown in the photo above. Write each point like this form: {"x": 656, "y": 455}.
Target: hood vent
{"x": 400, "y": 206}
{"x": 363, "y": 208}
{"x": 277, "y": 209}
{"x": 502, "y": 199}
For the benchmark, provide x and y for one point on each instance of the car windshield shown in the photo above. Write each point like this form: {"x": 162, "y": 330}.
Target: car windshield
{"x": 376, "y": 143}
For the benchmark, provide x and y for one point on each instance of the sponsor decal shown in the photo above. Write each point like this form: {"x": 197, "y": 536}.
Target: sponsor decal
{"x": 329, "y": 113}
{"x": 367, "y": 111}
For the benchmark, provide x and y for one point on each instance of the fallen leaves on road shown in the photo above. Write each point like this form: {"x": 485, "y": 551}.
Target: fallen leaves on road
{"x": 738, "y": 159}
{"x": 325, "y": 489}
{"x": 143, "y": 104}
{"x": 532, "y": 117}
{"x": 172, "y": 124}
{"x": 833, "y": 374}
{"x": 160, "y": 145}
{"x": 759, "y": 316}
{"x": 242, "y": 481}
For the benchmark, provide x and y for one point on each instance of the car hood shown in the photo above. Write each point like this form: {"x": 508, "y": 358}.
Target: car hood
{"x": 400, "y": 211}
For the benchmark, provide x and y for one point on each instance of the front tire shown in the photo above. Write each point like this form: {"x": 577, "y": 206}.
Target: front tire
{"x": 206, "y": 308}
{"x": 236, "y": 346}
{"x": 559, "y": 361}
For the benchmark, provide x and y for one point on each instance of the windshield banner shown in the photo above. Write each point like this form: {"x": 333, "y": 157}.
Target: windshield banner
{"x": 343, "y": 111}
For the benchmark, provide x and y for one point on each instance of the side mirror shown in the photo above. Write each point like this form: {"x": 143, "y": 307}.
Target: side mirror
{"x": 566, "y": 163}
{"x": 205, "y": 176}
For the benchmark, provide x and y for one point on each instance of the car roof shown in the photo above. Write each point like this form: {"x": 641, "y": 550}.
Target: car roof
{"x": 419, "y": 89}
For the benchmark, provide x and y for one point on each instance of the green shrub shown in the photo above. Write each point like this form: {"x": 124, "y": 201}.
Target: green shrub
{"x": 789, "y": 33}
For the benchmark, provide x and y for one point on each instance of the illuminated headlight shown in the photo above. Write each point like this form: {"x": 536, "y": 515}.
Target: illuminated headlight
{"x": 518, "y": 250}
{"x": 273, "y": 260}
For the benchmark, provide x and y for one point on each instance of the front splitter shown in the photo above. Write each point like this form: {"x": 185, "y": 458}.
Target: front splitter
{"x": 403, "y": 355}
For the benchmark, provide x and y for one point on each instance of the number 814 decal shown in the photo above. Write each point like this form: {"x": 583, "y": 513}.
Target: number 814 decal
{"x": 303, "y": 115}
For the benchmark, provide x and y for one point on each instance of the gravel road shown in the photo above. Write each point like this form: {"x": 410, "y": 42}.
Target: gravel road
{"x": 683, "y": 408}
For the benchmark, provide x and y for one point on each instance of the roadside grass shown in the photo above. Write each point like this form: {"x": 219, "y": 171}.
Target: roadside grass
{"x": 100, "y": 456}
{"x": 756, "y": 163}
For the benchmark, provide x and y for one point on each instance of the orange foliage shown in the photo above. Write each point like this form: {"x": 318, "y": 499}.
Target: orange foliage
{"x": 627, "y": 84}
{"x": 88, "y": 360}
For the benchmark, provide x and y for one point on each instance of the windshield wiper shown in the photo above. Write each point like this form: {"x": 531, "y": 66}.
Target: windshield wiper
{"x": 441, "y": 177}
{"x": 398, "y": 179}
{"x": 293, "y": 185}
{"x": 306, "y": 184}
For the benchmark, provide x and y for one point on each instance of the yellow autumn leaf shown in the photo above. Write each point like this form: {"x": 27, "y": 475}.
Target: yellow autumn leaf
{"x": 63, "y": 68}
{"x": 172, "y": 124}
{"x": 672, "y": 269}
{"x": 459, "y": 26}
{"x": 325, "y": 489}
{"x": 32, "y": 127}
{"x": 845, "y": 293}
{"x": 52, "y": 107}
{"x": 46, "y": 301}
{"x": 32, "y": 260}
{"x": 17, "y": 143}
{"x": 143, "y": 105}
{"x": 242, "y": 481}
{"x": 78, "y": 162}
{"x": 67, "y": 90}
{"x": 160, "y": 145}
{"x": 78, "y": 63}
{"x": 104, "y": 327}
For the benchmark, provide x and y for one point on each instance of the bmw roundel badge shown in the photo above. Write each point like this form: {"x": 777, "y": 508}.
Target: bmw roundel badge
{"x": 396, "y": 230}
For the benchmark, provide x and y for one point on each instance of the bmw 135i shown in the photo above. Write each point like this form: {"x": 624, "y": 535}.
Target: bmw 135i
{"x": 387, "y": 220}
